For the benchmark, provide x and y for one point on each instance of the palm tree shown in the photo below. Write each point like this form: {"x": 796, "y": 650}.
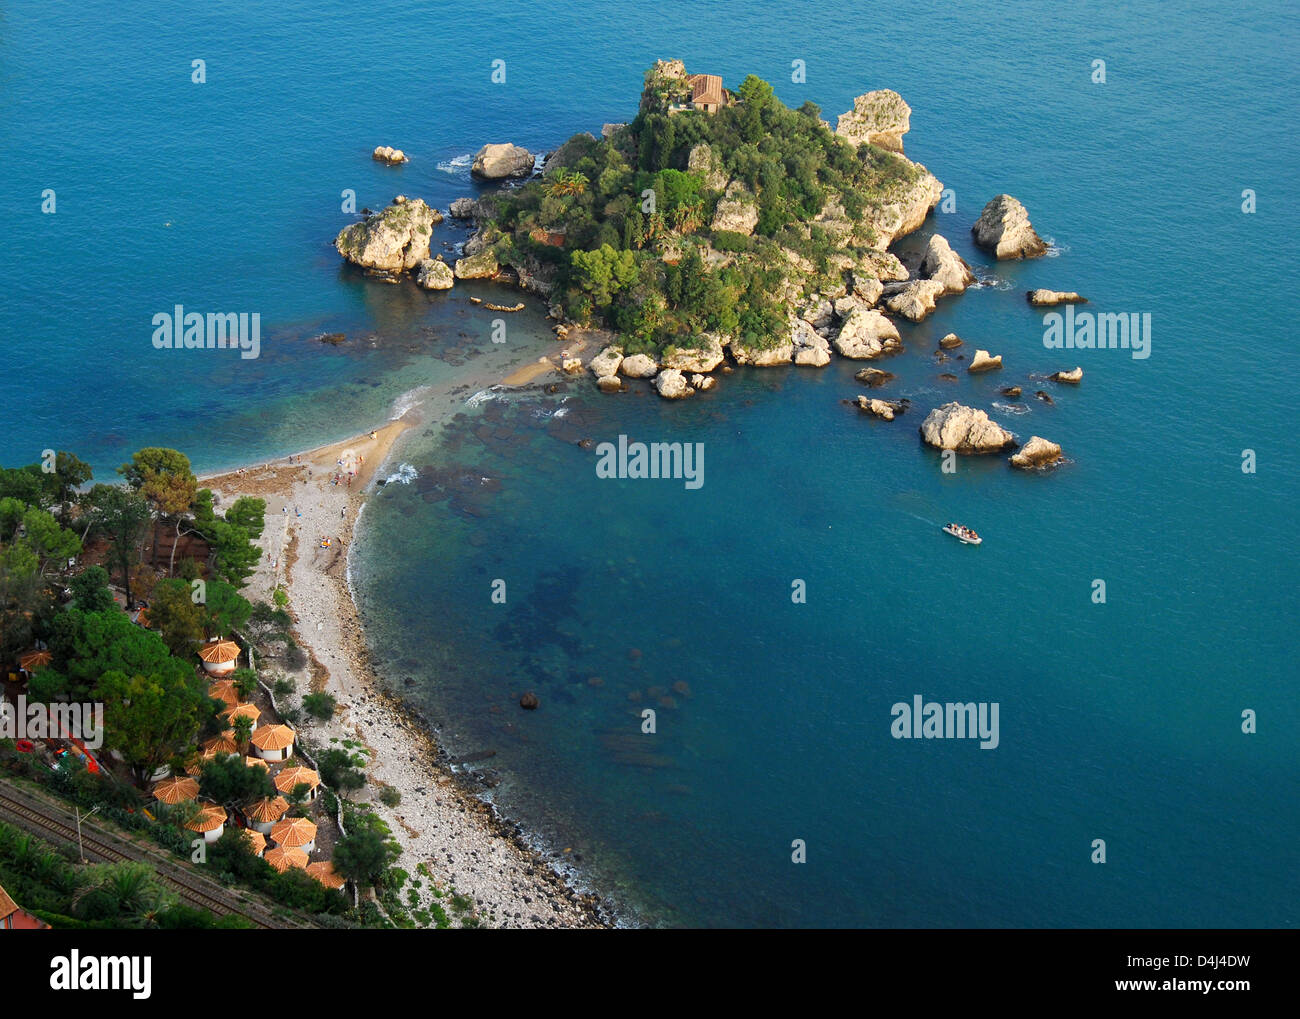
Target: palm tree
{"x": 567, "y": 184}
{"x": 128, "y": 893}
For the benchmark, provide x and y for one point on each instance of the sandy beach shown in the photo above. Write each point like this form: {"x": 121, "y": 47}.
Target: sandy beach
{"x": 440, "y": 822}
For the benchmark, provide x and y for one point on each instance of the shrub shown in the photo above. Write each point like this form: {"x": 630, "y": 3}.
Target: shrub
{"x": 390, "y": 797}
{"x": 320, "y": 705}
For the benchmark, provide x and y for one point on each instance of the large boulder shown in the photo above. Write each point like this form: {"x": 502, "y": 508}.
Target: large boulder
{"x": 670, "y": 384}
{"x": 1004, "y": 229}
{"x": 434, "y": 274}
{"x": 983, "y": 361}
{"x": 879, "y": 118}
{"x": 761, "y": 357}
{"x": 499, "y": 161}
{"x": 477, "y": 267}
{"x": 867, "y": 288}
{"x": 703, "y": 161}
{"x": 395, "y": 239}
{"x": 639, "y": 366}
{"x": 942, "y": 264}
{"x": 606, "y": 363}
{"x": 697, "y": 359}
{"x": 965, "y": 430}
{"x": 916, "y": 299}
{"x": 736, "y": 213}
{"x": 867, "y": 334}
{"x": 1036, "y": 453}
{"x": 388, "y": 154}
{"x": 1047, "y": 298}
{"x": 466, "y": 208}
{"x": 810, "y": 347}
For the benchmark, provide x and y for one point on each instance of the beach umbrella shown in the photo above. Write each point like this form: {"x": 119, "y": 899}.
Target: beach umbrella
{"x": 255, "y": 839}
{"x": 268, "y": 810}
{"x": 294, "y": 833}
{"x": 324, "y": 872}
{"x": 282, "y": 859}
{"x": 224, "y": 690}
{"x": 34, "y": 660}
{"x": 250, "y": 711}
{"x": 223, "y": 744}
{"x": 218, "y": 652}
{"x": 273, "y": 738}
{"x": 295, "y": 776}
{"x": 209, "y": 818}
{"x": 176, "y": 790}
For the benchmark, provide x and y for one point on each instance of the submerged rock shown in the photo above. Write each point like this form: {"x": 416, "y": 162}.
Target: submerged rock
{"x": 529, "y": 701}
{"x": 965, "y": 430}
{"x": 1047, "y": 298}
{"x": 1004, "y": 229}
{"x": 499, "y": 161}
{"x": 1011, "y": 392}
{"x": 886, "y": 409}
{"x": 395, "y": 239}
{"x": 874, "y": 377}
{"x": 1036, "y": 453}
{"x": 1044, "y": 397}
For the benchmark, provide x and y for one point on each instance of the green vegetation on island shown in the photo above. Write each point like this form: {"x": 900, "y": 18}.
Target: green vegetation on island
{"x": 690, "y": 221}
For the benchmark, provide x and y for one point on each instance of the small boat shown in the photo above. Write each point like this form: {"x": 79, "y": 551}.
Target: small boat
{"x": 963, "y": 534}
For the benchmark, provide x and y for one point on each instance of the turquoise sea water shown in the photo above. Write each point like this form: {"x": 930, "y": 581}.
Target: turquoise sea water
{"x": 1118, "y": 721}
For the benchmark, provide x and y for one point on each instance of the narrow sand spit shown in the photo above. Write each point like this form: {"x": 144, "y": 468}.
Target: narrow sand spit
{"x": 439, "y": 822}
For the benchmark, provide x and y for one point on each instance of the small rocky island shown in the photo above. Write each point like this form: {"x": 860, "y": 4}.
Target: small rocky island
{"x": 719, "y": 228}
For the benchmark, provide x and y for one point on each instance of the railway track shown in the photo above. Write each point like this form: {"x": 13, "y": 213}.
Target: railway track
{"x": 45, "y": 819}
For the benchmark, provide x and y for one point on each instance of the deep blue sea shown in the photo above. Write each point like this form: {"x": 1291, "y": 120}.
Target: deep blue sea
{"x": 1119, "y": 721}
